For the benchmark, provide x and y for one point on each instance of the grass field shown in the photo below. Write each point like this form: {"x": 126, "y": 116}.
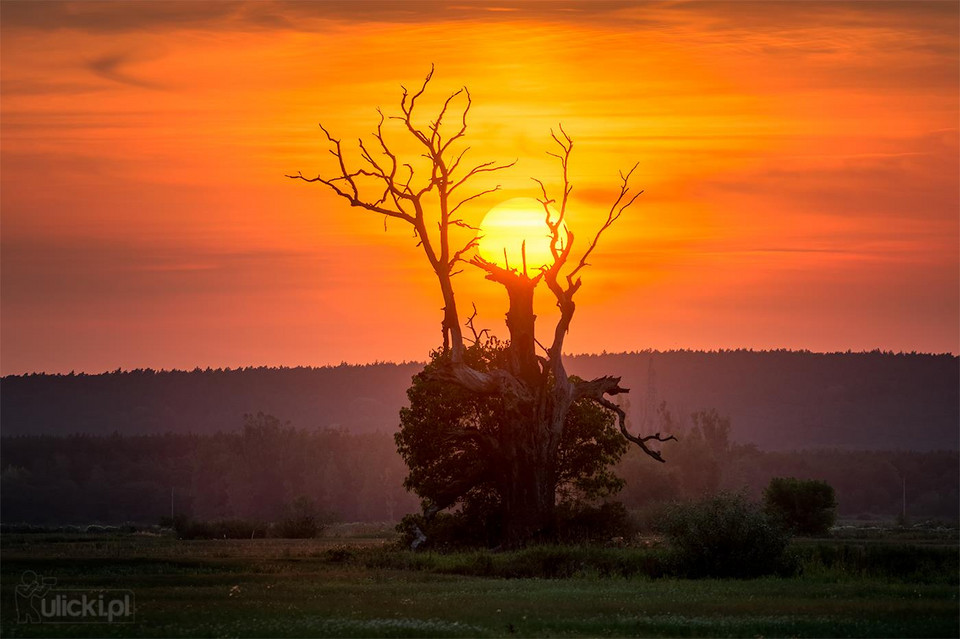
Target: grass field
{"x": 353, "y": 586}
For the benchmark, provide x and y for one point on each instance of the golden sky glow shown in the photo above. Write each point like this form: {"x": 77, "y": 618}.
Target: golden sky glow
{"x": 799, "y": 161}
{"x": 514, "y": 234}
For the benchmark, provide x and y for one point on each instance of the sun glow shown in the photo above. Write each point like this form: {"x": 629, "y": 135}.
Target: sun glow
{"x": 514, "y": 233}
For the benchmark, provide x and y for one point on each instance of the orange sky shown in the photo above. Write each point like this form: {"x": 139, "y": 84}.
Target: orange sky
{"x": 800, "y": 163}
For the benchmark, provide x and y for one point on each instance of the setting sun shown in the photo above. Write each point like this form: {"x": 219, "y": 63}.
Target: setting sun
{"x": 515, "y": 229}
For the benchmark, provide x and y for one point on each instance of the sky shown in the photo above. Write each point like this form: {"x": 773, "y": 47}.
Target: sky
{"x": 799, "y": 162}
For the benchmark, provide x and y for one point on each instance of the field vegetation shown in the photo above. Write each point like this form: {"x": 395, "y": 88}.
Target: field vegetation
{"x": 356, "y": 581}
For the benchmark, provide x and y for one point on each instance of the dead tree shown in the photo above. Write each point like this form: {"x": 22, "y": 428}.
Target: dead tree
{"x": 536, "y": 391}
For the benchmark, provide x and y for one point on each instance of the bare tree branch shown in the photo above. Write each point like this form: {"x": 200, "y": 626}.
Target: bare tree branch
{"x": 562, "y": 240}
{"x": 506, "y": 276}
{"x": 486, "y": 167}
{"x": 398, "y": 197}
{"x": 470, "y": 324}
{"x": 456, "y": 162}
{"x": 612, "y": 217}
{"x": 435, "y": 138}
{"x": 466, "y": 248}
{"x": 354, "y": 200}
{"x": 561, "y": 244}
{"x": 473, "y": 197}
{"x": 463, "y": 128}
{"x": 595, "y": 390}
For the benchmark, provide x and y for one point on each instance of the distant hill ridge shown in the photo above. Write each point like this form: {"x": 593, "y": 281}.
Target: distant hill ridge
{"x": 776, "y": 399}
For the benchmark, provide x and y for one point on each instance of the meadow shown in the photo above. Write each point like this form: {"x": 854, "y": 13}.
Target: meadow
{"x": 354, "y": 582}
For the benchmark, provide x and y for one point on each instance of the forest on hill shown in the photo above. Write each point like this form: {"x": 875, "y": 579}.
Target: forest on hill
{"x": 777, "y": 400}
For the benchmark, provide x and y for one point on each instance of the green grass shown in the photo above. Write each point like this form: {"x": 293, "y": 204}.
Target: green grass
{"x": 325, "y": 588}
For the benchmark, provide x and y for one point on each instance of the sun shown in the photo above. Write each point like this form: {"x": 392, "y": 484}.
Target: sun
{"x": 515, "y": 229}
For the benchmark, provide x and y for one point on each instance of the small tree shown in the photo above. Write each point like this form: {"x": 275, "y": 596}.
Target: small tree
{"x": 806, "y": 506}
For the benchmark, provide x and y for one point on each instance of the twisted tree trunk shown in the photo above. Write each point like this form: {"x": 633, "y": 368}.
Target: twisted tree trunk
{"x": 528, "y": 490}
{"x": 528, "y": 436}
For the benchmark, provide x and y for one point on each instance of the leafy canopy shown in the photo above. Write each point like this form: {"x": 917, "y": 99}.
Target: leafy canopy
{"x": 445, "y": 436}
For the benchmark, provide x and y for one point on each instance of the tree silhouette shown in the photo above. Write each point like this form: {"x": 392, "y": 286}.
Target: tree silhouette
{"x": 535, "y": 391}
{"x": 443, "y": 462}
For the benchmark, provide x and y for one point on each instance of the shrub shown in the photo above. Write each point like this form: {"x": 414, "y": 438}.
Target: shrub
{"x": 301, "y": 520}
{"x": 806, "y": 507}
{"x": 582, "y": 523}
{"x": 338, "y": 555}
{"x": 533, "y": 562}
{"x": 725, "y": 536}
{"x": 478, "y": 525}
{"x": 465, "y": 528}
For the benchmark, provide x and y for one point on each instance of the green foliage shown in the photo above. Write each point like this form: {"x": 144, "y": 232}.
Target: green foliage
{"x": 444, "y": 435}
{"x": 725, "y": 536}
{"x": 806, "y": 506}
{"x": 466, "y": 527}
{"x": 591, "y": 444}
{"x": 897, "y": 563}
{"x": 435, "y": 431}
{"x": 579, "y": 522}
{"x": 338, "y": 555}
{"x": 907, "y": 563}
{"x": 477, "y": 525}
{"x": 533, "y": 562}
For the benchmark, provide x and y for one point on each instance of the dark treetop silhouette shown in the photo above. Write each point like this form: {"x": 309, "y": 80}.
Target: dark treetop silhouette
{"x": 535, "y": 390}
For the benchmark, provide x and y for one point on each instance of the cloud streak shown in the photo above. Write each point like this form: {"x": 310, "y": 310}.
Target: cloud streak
{"x": 114, "y": 67}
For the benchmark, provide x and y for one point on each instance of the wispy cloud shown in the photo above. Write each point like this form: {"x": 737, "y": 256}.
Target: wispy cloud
{"x": 115, "y": 67}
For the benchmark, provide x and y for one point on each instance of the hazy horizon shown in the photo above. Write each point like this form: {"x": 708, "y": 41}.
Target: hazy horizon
{"x": 424, "y": 361}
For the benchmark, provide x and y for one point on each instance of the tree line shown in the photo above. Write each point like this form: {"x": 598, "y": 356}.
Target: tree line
{"x": 779, "y": 400}
{"x": 258, "y": 471}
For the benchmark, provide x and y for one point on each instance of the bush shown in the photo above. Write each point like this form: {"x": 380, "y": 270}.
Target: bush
{"x": 725, "y": 536}
{"x": 465, "y": 528}
{"x": 534, "y": 562}
{"x": 806, "y": 507}
{"x": 583, "y": 523}
{"x": 338, "y": 555}
{"x": 478, "y": 525}
{"x": 302, "y": 520}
